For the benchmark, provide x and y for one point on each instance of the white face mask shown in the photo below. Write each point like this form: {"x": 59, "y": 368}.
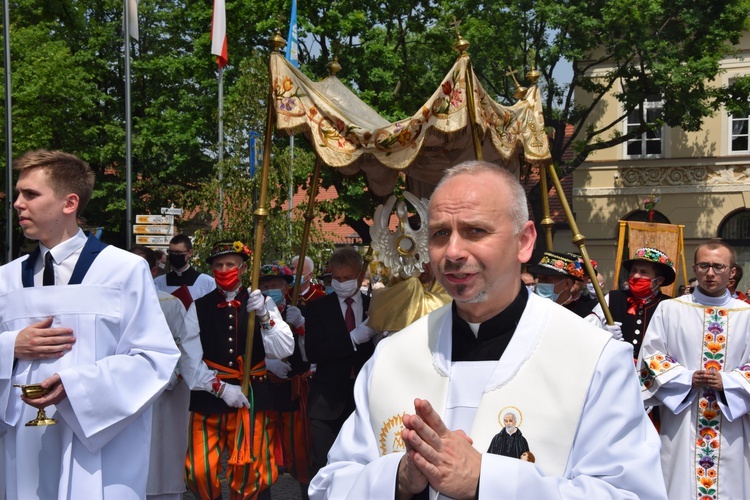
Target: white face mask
{"x": 345, "y": 289}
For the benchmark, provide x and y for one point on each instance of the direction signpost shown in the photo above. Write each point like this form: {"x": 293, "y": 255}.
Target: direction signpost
{"x": 155, "y": 231}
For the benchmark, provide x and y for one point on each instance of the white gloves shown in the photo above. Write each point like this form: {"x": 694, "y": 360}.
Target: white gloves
{"x": 278, "y": 367}
{"x": 362, "y": 333}
{"x": 294, "y": 317}
{"x": 615, "y": 330}
{"x": 257, "y": 302}
{"x": 232, "y": 396}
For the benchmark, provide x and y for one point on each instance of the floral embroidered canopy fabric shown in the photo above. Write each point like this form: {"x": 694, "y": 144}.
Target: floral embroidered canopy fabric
{"x": 348, "y": 134}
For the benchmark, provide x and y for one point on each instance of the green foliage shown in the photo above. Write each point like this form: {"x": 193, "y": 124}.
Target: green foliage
{"x": 68, "y": 91}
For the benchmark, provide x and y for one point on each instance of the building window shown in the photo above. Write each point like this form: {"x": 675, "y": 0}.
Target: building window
{"x": 735, "y": 230}
{"x": 740, "y": 133}
{"x": 648, "y": 144}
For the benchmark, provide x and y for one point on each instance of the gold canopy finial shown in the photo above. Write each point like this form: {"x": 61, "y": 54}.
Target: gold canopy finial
{"x": 520, "y": 91}
{"x": 333, "y": 66}
{"x": 277, "y": 41}
{"x": 533, "y": 75}
{"x": 461, "y": 45}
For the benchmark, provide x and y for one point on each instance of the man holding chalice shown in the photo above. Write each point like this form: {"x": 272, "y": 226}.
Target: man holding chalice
{"x": 81, "y": 328}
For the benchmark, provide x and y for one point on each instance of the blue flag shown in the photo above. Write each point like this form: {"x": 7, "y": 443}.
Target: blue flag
{"x": 292, "y": 48}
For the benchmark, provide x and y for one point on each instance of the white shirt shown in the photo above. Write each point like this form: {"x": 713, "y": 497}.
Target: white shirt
{"x": 65, "y": 256}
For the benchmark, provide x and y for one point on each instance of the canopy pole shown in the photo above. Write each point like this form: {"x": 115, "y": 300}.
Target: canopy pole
{"x": 309, "y": 216}
{"x": 260, "y": 213}
{"x": 472, "y": 110}
{"x": 580, "y": 240}
{"x": 547, "y": 221}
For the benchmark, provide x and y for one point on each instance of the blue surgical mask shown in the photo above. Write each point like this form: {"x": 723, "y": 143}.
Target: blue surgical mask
{"x": 276, "y": 295}
{"x": 547, "y": 291}
{"x": 329, "y": 289}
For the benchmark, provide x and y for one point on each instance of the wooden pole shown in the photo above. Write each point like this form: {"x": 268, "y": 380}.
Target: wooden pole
{"x": 309, "y": 216}
{"x": 580, "y": 241}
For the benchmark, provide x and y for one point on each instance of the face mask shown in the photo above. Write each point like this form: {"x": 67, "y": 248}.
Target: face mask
{"x": 177, "y": 261}
{"x": 161, "y": 265}
{"x": 641, "y": 287}
{"x": 329, "y": 289}
{"x": 547, "y": 291}
{"x": 345, "y": 289}
{"x": 276, "y": 295}
{"x": 228, "y": 280}
{"x": 302, "y": 281}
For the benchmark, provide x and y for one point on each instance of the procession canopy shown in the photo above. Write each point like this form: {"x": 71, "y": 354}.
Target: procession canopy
{"x": 347, "y": 134}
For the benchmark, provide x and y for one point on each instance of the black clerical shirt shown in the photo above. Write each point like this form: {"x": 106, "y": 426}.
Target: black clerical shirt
{"x": 494, "y": 334}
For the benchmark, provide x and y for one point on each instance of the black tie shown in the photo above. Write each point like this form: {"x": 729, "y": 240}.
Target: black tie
{"x": 48, "y": 278}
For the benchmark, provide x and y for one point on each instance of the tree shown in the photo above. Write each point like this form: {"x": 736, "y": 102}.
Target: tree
{"x": 645, "y": 47}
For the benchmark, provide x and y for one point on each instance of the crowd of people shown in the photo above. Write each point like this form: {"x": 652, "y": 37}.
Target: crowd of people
{"x": 509, "y": 382}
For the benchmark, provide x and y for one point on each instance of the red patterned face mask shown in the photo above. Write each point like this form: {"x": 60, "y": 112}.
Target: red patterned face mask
{"x": 228, "y": 280}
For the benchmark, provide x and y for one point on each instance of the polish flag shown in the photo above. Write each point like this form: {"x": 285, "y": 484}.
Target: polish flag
{"x": 219, "y": 34}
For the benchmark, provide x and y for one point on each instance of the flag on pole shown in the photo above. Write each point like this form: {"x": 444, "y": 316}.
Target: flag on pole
{"x": 219, "y": 34}
{"x": 292, "y": 48}
{"x": 133, "y": 18}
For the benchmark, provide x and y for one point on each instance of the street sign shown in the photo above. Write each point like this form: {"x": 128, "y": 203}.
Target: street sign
{"x": 154, "y": 219}
{"x": 148, "y": 239}
{"x": 146, "y": 229}
{"x": 171, "y": 211}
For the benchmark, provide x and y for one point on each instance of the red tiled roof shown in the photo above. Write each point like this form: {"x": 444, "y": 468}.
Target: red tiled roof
{"x": 341, "y": 232}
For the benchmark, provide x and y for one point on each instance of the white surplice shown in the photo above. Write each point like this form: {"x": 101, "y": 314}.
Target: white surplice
{"x": 613, "y": 452}
{"x": 686, "y": 334}
{"x": 122, "y": 359}
{"x": 169, "y": 437}
{"x": 203, "y": 285}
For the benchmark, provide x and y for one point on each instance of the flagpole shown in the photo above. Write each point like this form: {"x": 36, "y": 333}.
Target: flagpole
{"x": 291, "y": 182}
{"x": 8, "y": 139}
{"x": 128, "y": 132}
{"x": 291, "y": 56}
{"x": 221, "y": 147}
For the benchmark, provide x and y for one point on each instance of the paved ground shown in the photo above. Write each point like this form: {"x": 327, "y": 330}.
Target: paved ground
{"x": 286, "y": 488}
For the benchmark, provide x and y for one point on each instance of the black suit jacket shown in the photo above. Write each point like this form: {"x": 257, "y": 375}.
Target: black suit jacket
{"x": 328, "y": 344}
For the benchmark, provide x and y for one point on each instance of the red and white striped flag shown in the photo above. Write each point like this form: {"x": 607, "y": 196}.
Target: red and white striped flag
{"x": 219, "y": 34}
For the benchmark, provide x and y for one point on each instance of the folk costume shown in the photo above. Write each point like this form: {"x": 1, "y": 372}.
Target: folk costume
{"x": 705, "y": 435}
{"x": 122, "y": 359}
{"x": 583, "y": 420}
{"x": 565, "y": 265}
{"x": 247, "y": 435}
{"x": 289, "y": 394}
{"x": 632, "y": 308}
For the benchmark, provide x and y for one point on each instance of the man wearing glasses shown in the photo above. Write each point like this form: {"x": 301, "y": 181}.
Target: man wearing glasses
{"x": 695, "y": 363}
{"x": 184, "y": 281}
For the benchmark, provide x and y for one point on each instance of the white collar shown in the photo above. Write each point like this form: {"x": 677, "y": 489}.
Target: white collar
{"x": 721, "y": 300}
{"x": 65, "y": 249}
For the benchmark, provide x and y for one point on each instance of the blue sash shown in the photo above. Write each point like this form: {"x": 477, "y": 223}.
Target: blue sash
{"x": 90, "y": 251}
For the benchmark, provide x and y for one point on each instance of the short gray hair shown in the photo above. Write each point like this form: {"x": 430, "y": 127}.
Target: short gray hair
{"x": 308, "y": 262}
{"x": 519, "y": 209}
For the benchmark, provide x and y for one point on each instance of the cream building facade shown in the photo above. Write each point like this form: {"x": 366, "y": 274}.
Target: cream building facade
{"x": 702, "y": 179}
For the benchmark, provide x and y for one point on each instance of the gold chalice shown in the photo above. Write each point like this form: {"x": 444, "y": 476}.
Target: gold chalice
{"x": 36, "y": 391}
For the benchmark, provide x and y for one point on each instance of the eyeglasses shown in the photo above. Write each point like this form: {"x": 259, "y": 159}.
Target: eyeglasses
{"x": 718, "y": 268}
{"x": 176, "y": 252}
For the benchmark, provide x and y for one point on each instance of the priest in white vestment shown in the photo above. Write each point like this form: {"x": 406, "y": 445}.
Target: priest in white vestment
{"x": 433, "y": 396}
{"x": 82, "y": 319}
{"x": 695, "y": 365}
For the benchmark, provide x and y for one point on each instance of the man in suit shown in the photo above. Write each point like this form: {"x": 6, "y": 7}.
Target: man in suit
{"x": 338, "y": 340}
